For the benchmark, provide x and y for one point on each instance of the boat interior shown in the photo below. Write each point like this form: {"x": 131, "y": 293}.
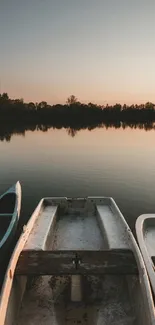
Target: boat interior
{"x": 7, "y": 205}
{"x": 77, "y": 267}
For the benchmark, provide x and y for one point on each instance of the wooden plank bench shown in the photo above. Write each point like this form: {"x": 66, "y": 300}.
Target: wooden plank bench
{"x": 39, "y": 262}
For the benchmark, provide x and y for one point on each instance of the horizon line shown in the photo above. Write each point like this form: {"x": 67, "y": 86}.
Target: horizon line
{"x": 78, "y": 101}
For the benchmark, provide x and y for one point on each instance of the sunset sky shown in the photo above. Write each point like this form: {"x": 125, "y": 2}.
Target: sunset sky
{"x": 101, "y": 51}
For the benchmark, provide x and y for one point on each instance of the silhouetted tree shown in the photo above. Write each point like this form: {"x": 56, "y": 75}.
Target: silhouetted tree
{"x": 71, "y": 100}
{"x": 4, "y": 96}
{"x": 149, "y": 105}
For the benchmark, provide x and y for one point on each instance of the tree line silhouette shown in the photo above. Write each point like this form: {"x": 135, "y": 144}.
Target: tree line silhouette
{"x": 16, "y": 116}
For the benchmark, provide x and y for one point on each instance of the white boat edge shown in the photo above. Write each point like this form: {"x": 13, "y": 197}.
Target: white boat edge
{"x": 147, "y": 260}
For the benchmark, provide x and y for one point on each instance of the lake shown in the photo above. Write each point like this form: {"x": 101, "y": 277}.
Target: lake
{"x": 101, "y": 162}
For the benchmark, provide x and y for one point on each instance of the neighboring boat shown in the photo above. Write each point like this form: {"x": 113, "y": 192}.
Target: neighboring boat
{"x": 76, "y": 262}
{"x": 10, "y": 204}
{"x": 145, "y": 230}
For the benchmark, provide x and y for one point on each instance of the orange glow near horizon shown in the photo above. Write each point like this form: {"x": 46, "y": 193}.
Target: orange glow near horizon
{"x": 37, "y": 94}
{"x": 100, "y": 52}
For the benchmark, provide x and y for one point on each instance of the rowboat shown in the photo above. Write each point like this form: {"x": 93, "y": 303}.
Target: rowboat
{"x": 10, "y": 204}
{"x": 145, "y": 230}
{"x": 76, "y": 262}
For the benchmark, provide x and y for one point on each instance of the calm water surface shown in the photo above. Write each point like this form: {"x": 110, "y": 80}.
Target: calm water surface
{"x": 118, "y": 163}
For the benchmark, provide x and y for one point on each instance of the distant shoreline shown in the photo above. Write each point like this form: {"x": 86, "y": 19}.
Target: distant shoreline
{"x": 18, "y": 117}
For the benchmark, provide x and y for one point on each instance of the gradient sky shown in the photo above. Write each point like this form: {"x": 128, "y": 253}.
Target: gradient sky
{"x": 99, "y": 50}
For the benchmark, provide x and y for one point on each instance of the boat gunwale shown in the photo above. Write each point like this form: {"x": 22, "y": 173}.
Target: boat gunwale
{"x": 9, "y": 276}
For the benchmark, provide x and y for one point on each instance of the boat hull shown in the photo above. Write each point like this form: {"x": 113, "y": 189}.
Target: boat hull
{"x": 90, "y": 291}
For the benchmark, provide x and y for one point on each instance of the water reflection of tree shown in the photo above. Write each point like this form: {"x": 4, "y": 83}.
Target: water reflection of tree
{"x": 71, "y": 132}
{"x": 6, "y": 132}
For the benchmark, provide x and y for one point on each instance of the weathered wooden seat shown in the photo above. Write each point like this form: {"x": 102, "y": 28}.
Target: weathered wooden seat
{"x": 40, "y": 262}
